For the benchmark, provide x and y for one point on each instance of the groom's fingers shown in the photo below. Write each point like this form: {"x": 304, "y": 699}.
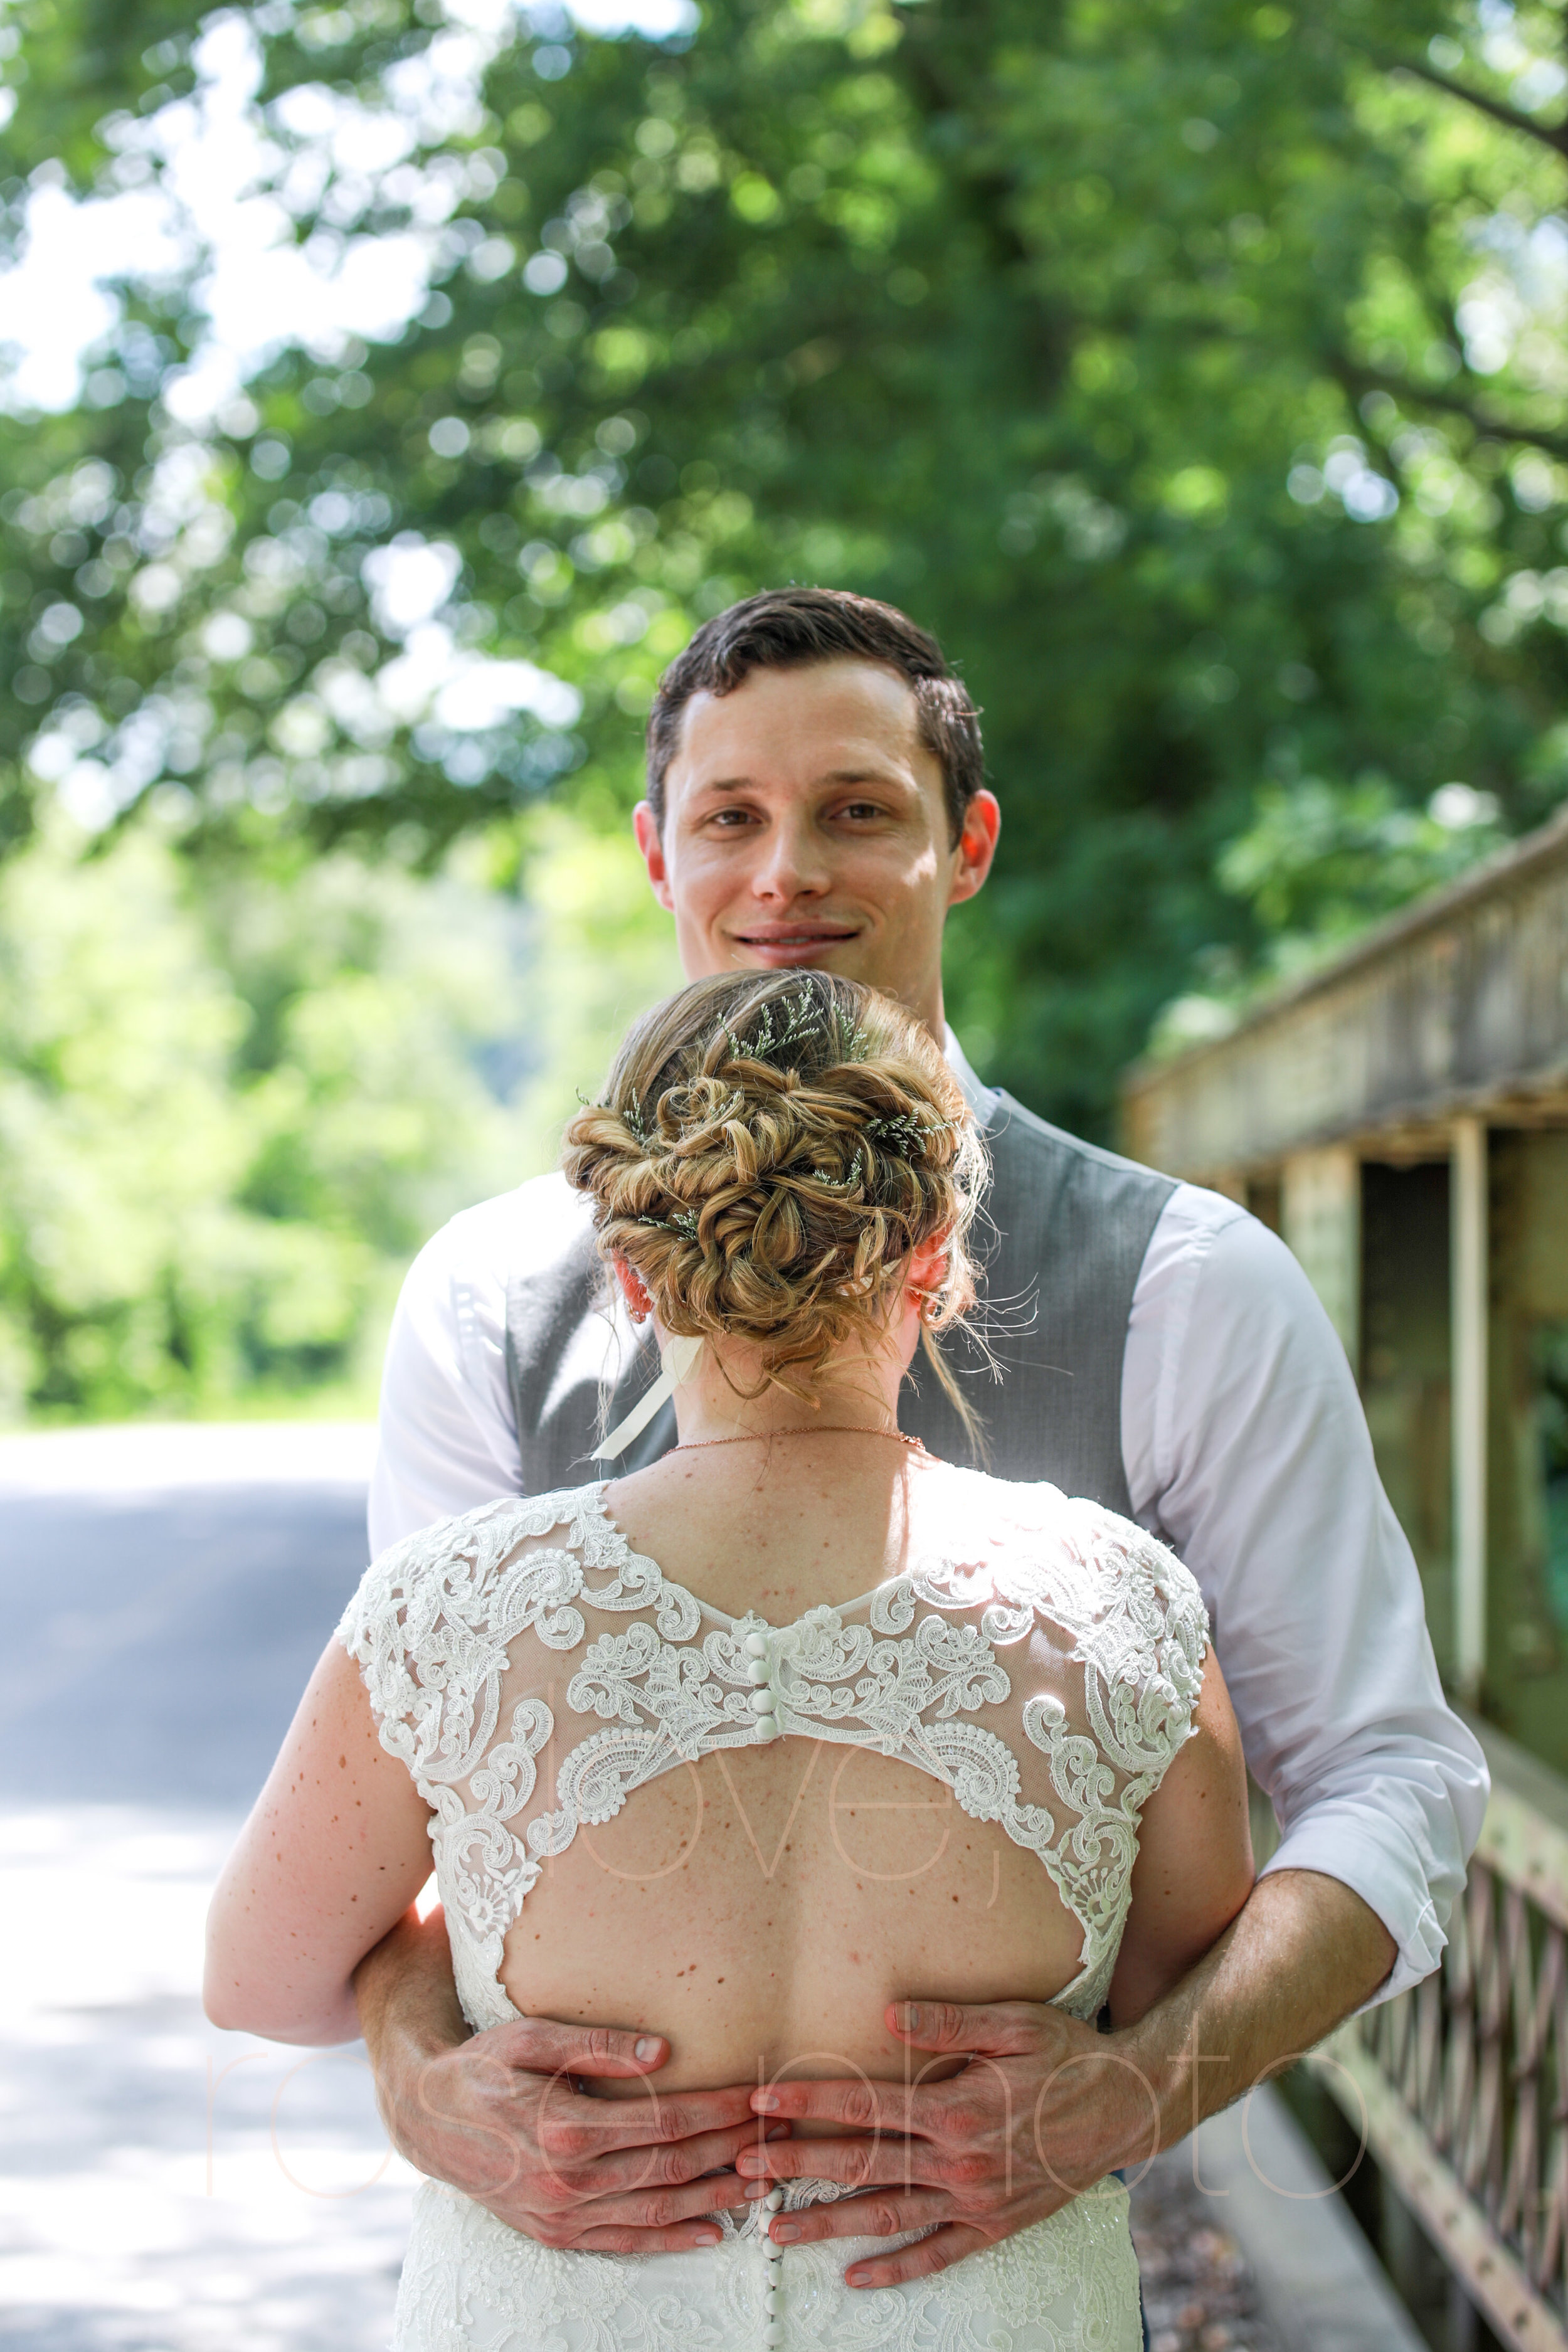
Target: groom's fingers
{"x": 938, "y": 2251}
{"x": 854, "y": 2102}
{"x": 669, "y": 2164}
{"x": 881, "y": 2213}
{"x": 993, "y": 2029}
{"x": 883, "y": 2160}
{"x": 574, "y": 2128}
{"x": 654, "y": 2221}
{"x": 999, "y": 2029}
{"x": 543, "y": 2046}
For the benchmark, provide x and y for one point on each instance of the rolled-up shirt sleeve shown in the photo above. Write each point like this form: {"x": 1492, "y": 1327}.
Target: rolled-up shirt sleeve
{"x": 1246, "y": 1449}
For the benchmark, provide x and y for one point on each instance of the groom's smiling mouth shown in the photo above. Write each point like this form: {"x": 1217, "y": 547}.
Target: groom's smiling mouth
{"x": 773, "y": 944}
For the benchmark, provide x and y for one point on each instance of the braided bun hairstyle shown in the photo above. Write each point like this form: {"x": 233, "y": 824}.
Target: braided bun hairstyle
{"x": 770, "y": 1149}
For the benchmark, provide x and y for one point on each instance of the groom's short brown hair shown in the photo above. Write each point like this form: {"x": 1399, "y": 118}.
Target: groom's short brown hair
{"x": 794, "y": 628}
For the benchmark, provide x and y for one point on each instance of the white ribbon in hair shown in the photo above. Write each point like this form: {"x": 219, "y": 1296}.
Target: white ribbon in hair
{"x": 680, "y": 1360}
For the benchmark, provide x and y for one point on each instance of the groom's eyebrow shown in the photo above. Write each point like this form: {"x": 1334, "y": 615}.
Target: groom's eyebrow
{"x": 860, "y": 774}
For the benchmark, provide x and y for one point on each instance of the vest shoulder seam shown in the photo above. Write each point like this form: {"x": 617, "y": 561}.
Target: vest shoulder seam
{"x": 1017, "y": 1116}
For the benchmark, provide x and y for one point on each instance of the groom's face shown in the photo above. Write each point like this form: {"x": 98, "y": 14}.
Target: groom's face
{"x": 806, "y": 824}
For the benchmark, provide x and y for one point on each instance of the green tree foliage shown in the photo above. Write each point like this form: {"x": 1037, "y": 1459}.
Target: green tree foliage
{"x": 229, "y": 1116}
{"x": 1194, "y": 370}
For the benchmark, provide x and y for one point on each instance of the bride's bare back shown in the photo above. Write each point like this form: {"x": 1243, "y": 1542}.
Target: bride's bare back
{"x": 740, "y": 1748}
{"x": 763, "y": 1906}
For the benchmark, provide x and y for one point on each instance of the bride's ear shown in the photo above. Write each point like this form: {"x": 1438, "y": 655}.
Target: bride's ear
{"x": 926, "y": 1269}
{"x": 635, "y": 1289}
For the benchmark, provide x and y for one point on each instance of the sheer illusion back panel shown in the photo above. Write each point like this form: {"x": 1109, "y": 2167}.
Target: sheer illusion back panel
{"x": 1039, "y": 1662}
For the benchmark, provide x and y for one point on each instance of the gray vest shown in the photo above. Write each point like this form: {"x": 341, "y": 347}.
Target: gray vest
{"x": 1062, "y": 1239}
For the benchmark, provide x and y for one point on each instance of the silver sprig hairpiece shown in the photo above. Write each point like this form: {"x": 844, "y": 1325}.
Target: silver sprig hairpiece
{"x": 853, "y": 1043}
{"x": 804, "y": 1019}
{"x": 908, "y": 1133}
{"x": 680, "y": 1221}
{"x": 631, "y": 1116}
{"x": 844, "y": 1183}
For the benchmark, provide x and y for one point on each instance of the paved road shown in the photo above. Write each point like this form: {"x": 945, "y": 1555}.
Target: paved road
{"x": 164, "y": 2186}
{"x": 169, "y": 1591}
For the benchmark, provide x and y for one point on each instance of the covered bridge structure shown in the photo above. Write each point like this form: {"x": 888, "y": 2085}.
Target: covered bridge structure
{"x": 1400, "y": 1117}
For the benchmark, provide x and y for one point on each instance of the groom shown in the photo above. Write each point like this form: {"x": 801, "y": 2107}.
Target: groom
{"x": 816, "y": 799}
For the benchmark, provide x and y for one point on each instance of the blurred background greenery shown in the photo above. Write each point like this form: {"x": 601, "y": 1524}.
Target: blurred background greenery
{"x": 391, "y": 388}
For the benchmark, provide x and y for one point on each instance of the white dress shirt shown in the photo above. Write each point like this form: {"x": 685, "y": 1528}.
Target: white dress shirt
{"x": 1245, "y": 1448}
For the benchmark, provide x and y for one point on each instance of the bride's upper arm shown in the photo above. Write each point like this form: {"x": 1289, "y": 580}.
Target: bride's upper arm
{"x": 1193, "y": 1870}
{"x": 336, "y": 1848}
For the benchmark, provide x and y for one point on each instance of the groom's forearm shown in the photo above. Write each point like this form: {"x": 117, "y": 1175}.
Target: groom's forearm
{"x": 1301, "y": 1955}
{"x": 407, "y": 2001}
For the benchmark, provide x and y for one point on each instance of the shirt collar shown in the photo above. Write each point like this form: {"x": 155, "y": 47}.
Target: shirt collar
{"x": 979, "y": 1098}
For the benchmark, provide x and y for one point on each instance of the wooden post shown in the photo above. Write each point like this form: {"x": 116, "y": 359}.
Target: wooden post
{"x": 1319, "y": 1206}
{"x": 1469, "y": 1229}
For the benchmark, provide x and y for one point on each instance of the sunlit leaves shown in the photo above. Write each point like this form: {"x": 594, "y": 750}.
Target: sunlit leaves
{"x": 227, "y": 1115}
{"x": 1197, "y": 372}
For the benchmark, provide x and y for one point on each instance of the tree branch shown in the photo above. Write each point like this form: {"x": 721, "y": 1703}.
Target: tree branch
{"x": 1358, "y": 380}
{"x": 1547, "y": 134}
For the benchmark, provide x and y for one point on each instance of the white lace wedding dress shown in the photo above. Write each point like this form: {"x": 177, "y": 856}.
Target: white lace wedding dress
{"x": 1060, "y": 1741}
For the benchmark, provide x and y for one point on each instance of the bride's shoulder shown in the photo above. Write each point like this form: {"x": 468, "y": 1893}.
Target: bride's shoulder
{"x": 1034, "y": 1522}
{"x": 471, "y": 1547}
{"x": 457, "y": 1571}
{"x": 989, "y": 1506}
{"x": 509, "y": 1519}
{"x": 1131, "y": 1607}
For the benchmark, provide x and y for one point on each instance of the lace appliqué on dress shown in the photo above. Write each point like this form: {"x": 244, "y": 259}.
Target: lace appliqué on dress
{"x": 432, "y": 1624}
{"x": 1066, "y": 2284}
{"x": 904, "y": 1671}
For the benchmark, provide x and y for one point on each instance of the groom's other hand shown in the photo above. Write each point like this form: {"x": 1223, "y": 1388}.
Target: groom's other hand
{"x": 497, "y": 2114}
{"x": 959, "y": 2156}
{"x": 1047, "y": 2107}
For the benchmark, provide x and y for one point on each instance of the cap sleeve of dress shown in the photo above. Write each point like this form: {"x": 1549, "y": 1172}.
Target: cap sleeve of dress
{"x": 409, "y": 1630}
{"x": 1148, "y": 1642}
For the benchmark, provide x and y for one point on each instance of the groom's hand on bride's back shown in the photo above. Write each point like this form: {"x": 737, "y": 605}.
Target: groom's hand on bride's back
{"x": 1046, "y": 2106}
{"x": 497, "y": 2114}
{"x": 1030, "y": 2122}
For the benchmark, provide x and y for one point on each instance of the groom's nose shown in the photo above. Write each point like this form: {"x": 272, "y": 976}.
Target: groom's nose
{"x": 794, "y": 861}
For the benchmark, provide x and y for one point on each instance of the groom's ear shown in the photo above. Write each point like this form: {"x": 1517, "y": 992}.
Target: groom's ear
{"x": 646, "y": 827}
{"x": 976, "y": 845}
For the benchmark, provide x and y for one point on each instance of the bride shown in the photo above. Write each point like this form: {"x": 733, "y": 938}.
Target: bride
{"x": 741, "y": 1745}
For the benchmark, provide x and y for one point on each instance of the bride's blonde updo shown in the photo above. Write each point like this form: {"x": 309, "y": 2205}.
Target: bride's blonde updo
{"x": 769, "y": 1150}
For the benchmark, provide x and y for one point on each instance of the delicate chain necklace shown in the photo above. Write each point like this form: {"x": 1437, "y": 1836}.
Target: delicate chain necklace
{"x": 829, "y": 1429}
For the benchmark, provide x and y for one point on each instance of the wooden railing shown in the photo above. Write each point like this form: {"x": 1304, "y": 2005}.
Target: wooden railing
{"x": 1461, "y": 2084}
